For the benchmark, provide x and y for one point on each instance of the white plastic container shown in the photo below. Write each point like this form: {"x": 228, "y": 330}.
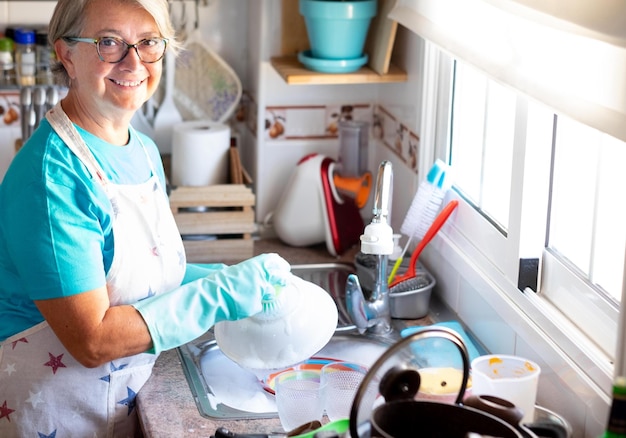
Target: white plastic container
{"x": 511, "y": 378}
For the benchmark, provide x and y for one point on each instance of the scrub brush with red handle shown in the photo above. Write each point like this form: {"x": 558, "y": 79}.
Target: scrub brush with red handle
{"x": 423, "y": 209}
{"x": 406, "y": 280}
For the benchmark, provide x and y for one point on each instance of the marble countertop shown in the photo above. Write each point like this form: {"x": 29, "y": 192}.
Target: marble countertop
{"x": 166, "y": 405}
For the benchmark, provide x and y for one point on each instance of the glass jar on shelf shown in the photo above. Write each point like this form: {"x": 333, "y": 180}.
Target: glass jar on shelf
{"x": 45, "y": 57}
{"x": 7, "y": 65}
{"x": 25, "y": 56}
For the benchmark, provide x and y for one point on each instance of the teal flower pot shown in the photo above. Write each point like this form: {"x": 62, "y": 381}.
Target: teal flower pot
{"x": 337, "y": 29}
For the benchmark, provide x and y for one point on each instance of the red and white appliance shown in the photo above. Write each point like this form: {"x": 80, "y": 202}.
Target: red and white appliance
{"x": 312, "y": 211}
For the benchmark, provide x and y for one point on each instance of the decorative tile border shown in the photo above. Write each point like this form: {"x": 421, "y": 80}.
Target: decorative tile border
{"x": 396, "y": 136}
{"x": 317, "y": 122}
{"x": 311, "y": 121}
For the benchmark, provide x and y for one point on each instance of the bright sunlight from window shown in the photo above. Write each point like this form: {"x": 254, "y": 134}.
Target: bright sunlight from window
{"x": 587, "y": 213}
{"x": 588, "y": 219}
{"x": 483, "y": 123}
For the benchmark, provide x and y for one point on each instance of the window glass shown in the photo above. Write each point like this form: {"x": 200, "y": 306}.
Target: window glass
{"x": 482, "y": 133}
{"x": 588, "y": 217}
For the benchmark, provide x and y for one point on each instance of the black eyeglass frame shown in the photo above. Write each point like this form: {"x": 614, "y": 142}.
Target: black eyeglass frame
{"x": 96, "y": 42}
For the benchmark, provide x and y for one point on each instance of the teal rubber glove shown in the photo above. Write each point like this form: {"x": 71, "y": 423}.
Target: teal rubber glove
{"x": 196, "y": 271}
{"x": 234, "y": 292}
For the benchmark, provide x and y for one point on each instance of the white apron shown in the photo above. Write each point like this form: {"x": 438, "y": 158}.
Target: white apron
{"x": 44, "y": 392}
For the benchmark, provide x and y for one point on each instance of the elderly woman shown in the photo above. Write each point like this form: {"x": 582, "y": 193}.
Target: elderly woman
{"x": 93, "y": 277}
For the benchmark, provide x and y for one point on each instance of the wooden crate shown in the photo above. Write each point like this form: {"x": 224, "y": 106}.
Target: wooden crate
{"x": 224, "y": 211}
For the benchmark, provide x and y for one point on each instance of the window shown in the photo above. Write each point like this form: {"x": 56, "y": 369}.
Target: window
{"x": 541, "y": 186}
{"x": 588, "y": 217}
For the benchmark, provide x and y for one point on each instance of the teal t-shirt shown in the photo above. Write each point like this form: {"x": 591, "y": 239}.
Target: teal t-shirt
{"x": 56, "y": 235}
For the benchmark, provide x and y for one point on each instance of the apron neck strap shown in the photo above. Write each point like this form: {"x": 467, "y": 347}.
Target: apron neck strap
{"x": 64, "y": 127}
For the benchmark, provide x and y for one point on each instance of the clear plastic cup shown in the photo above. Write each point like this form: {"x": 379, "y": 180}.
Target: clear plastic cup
{"x": 340, "y": 382}
{"x": 298, "y": 398}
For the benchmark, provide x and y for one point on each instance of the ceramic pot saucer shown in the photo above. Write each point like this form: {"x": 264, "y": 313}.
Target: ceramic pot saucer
{"x": 331, "y": 65}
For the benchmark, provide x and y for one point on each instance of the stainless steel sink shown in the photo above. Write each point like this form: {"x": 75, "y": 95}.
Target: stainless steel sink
{"x": 222, "y": 389}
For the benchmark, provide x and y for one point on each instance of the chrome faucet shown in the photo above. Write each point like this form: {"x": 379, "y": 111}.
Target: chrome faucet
{"x": 373, "y": 314}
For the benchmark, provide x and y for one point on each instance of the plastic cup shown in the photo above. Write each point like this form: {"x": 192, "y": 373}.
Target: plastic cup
{"x": 340, "y": 382}
{"x": 511, "y": 378}
{"x": 298, "y": 398}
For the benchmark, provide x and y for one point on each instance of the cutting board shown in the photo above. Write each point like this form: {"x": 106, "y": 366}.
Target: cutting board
{"x": 294, "y": 35}
{"x": 380, "y": 38}
{"x": 206, "y": 87}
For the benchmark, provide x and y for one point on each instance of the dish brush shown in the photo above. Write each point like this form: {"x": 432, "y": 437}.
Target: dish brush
{"x": 410, "y": 280}
{"x": 423, "y": 210}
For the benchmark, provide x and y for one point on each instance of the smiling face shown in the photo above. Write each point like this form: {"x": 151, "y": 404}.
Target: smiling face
{"x": 104, "y": 89}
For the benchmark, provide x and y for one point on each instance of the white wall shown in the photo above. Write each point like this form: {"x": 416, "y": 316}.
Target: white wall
{"x": 25, "y": 13}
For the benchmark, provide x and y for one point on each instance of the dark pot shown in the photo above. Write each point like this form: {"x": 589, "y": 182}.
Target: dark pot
{"x": 406, "y": 418}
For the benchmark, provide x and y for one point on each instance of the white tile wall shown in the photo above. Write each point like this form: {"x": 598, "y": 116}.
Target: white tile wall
{"x": 36, "y": 13}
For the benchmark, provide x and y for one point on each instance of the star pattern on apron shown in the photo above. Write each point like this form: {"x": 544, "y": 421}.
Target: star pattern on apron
{"x": 129, "y": 401}
{"x": 55, "y": 362}
{"x": 5, "y": 411}
{"x": 114, "y": 368}
{"x": 14, "y": 343}
{"x": 10, "y": 369}
{"x": 34, "y": 398}
{"x": 151, "y": 293}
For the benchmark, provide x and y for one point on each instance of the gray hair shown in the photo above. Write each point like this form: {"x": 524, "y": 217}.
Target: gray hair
{"x": 68, "y": 19}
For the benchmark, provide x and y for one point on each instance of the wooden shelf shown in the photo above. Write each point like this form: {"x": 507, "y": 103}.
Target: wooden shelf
{"x": 294, "y": 73}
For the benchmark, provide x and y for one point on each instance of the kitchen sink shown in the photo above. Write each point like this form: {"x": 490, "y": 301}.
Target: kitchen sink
{"x": 223, "y": 389}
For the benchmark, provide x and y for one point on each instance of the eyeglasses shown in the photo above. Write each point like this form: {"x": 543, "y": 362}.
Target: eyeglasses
{"x": 114, "y": 50}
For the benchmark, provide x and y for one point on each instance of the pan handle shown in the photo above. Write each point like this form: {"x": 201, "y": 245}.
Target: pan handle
{"x": 503, "y": 409}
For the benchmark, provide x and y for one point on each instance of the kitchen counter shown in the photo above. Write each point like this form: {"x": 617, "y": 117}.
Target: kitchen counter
{"x": 166, "y": 405}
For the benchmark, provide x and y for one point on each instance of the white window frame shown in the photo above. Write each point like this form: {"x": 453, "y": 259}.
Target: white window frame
{"x": 497, "y": 255}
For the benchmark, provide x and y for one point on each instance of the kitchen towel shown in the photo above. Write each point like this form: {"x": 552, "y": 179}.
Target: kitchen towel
{"x": 234, "y": 386}
{"x": 200, "y": 153}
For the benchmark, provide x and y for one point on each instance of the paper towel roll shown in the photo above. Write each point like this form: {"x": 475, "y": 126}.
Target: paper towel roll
{"x": 200, "y": 153}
